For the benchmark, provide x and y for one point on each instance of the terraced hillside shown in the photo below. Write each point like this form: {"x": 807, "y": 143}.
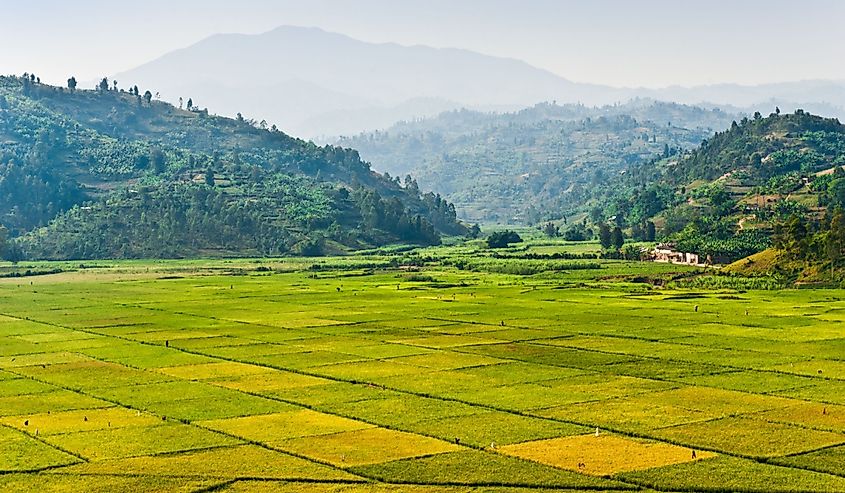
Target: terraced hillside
{"x": 279, "y": 375}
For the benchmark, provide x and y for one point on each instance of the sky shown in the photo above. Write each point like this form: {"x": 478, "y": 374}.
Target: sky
{"x": 624, "y": 43}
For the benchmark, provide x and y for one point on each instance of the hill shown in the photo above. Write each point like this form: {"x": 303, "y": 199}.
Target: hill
{"x": 732, "y": 196}
{"x": 108, "y": 173}
{"x": 536, "y": 164}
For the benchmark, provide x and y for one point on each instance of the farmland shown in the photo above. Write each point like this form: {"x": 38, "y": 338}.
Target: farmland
{"x": 446, "y": 374}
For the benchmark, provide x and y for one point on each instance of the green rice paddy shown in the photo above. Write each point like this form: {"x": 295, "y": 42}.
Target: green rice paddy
{"x": 360, "y": 376}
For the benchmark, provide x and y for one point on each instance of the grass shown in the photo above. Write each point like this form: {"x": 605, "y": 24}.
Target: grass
{"x": 124, "y": 378}
{"x": 19, "y": 452}
{"x": 473, "y": 467}
{"x": 367, "y": 446}
{"x": 751, "y": 437}
{"x": 246, "y": 461}
{"x": 50, "y": 423}
{"x": 603, "y": 455}
{"x": 273, "y": 428}
{"x": 726, "y": 474}
{"x": 135, "y": 441}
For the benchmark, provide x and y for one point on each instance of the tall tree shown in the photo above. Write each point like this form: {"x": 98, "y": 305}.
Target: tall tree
{"x": 617, "y": 238}
{"x": 605, "y": 237}
{"x": 4, "y": 241}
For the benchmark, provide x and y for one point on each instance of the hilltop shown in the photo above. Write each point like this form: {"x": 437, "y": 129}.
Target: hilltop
{"x": 113, "y": 173}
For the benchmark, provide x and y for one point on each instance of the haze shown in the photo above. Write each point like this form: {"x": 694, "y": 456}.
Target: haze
{"x": 650, "y": 43}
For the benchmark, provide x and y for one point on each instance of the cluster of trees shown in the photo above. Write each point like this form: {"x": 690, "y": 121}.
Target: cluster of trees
{"x": 503, "y": 239}
{"x": 611, "y": 238}
{"x": 820, "y": 241}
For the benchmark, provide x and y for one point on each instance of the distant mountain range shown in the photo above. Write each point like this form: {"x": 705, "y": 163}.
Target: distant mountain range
{"x": 314, "y": 83}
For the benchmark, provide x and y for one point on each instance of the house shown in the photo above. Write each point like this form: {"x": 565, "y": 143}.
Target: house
{"x": 666, "y": 252}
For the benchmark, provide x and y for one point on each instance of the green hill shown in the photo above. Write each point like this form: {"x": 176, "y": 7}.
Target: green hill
{"x": 728, "y": 197}
{"x": 108, "y": 173}
{"x": 540, "y": 163}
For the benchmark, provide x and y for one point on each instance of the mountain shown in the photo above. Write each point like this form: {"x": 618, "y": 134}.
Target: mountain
{"x": 107, "y": 173}
{"x": 291, "y": 75}
{"x": 536, "y": 164}
{"x": 315, "y": 83}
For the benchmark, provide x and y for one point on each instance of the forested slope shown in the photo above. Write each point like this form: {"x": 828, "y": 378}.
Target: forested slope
{"x": 114, "y": 173}
{"x": 537, "y": 164}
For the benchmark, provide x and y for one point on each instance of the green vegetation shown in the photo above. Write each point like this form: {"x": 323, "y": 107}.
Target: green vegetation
{"x": 113, "y": 174}
{"x": 542, "y": 163}
{"x": 453, "y": 368}
{"x": 733, "y": 196}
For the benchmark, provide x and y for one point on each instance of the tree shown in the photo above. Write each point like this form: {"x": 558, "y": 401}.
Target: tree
{"x": 474, "y": 231}
{"x": 71, "y": 84}
{"x": 157, "y": 160}
{"x": 835, "y": 241}
{"x": 617, "y": 238}
{"x": 650, "y": 231}
{"x": 103, "y": 85}
{"x": 501, "y": 239}
{"x": 550, "y": 230}
{"x": 791, "y": 236}
{"x": 209, "y": 177}
{"x": 4, "y": 241}
{"x": 605, "y": 236}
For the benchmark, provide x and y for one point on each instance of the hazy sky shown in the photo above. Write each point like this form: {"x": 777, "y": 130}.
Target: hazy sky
{"x": 616, "y": 42}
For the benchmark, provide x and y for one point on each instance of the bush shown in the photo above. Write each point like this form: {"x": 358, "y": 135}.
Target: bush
{"x": 502, "y": 239}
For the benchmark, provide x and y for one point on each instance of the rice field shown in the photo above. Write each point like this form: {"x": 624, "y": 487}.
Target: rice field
{"x": 259, "y": 375}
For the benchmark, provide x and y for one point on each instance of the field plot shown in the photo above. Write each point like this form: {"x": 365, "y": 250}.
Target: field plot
{"x": 174, "y": 376}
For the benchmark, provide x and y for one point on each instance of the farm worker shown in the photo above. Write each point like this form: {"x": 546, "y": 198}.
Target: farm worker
{"x": 696, "y": 308}
{"x": 597, "y": 432}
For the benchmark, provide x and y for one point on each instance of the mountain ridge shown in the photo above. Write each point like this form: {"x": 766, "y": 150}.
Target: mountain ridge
{"x": 348, "y": 76}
